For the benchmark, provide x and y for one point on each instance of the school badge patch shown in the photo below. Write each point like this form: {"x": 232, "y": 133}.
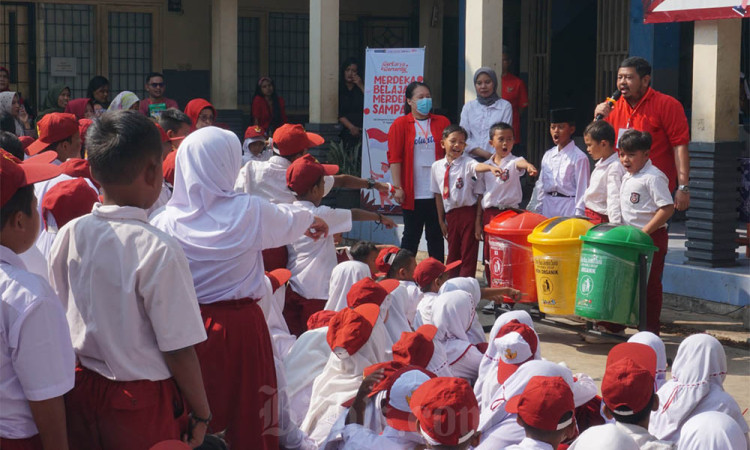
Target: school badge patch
{"x": 510, "y": 355}
{"x": 460, "y": 183}
{"x": 635, "y": 197}
{"x": 505, "y": 175}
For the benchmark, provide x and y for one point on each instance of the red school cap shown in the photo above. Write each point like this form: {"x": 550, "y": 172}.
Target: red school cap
{"x": 416, "y": 347}
{"x": 172, "y": 444}
{"x": 25, "y": 142}
{"x": 53, "y": 127}
{"x": 516, "y": 344}
{"x": 350, "y": 328}
{"x": 385, "y": 259}
{"x": 15, "y": 175}
{"x": 320, "y": 319}
{"x": 278, "y": 277}
{"x": 290, "y": 139}
{"x": 628, "y": 383}
{"x": 368, "y": 291}
{"x": 77, "y": 167}
{"x": 430, "y": 269}
{"x": 67, "y": 200}
{"x": 255, "y": 132}
{"x": 305, "y": 172}
{"x": 447, "y": 410}
{"x": 543, "y": 403}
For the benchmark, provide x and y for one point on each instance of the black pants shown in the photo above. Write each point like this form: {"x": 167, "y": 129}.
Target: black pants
{"x": 424, "y": 215}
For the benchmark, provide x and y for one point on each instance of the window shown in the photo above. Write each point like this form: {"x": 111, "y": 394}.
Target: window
{"x": 67, "y": 31}
{"x": 129, "y": 52}
{"x": 248, "y": 58}
{"x": 288, "y": 58}
{"x": 350, "y": 42}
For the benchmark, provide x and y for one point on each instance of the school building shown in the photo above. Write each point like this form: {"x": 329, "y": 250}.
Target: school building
{"x": 567, "y": 51}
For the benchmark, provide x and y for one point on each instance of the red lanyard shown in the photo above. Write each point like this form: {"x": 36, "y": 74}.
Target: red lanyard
{"x": 425, "y": 135}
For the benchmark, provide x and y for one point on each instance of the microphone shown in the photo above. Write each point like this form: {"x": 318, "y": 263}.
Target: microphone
{"x": 611, "y": 100}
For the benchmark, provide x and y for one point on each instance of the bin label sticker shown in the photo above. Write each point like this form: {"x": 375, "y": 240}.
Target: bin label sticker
{"x": 587, "y": 285}
{"x": 546, "y": 266}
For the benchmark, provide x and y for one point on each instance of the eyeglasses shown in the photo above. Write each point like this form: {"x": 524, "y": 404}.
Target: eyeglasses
{"x": 157, "y": 85}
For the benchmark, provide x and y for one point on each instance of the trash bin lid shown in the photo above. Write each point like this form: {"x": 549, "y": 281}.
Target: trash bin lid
{"x": 559, "y": 230}
{"x": 514, "y": 222}
{"x": 622, "y": 235}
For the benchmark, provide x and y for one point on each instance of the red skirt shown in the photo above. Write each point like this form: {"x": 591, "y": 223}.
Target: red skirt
{"x": 122, "y": 415}
{"x": 32, "y": 443}
{"x": 298, "y": 310}
{"x": 239, "y": 374}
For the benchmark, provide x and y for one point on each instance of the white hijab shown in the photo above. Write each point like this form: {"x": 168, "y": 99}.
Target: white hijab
{"x": 499, "y": 427}
{"x": 723, "y": 433}
{"x": 607, "y": 436}
{"x": 339, "y": 382}
{"x": 124, "y": 101}
{"x": 6, "y": 105}
{"x": 655, "y": 342}
{"x": 272, "y": 305}
{"x": 393, "y": 308}
{"x": 343, "y": 277}
{"x": 304, "y": 362}
{"x": 487, "y": 384}
{"x": 452, "y": 314}
{"x": 698, "y": 374}
{"x": 471, "y": 286}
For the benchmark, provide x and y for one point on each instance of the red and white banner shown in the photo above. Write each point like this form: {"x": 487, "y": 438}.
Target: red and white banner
{"x": 388, "y": 72}
{"x": 659, "y": 11}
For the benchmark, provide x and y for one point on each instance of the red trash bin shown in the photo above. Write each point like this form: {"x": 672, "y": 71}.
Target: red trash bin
{"x": 511, "y": 260}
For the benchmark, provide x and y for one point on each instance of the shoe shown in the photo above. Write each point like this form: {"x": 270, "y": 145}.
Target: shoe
{"x": 489, "y": 308}
{"x": 739, "y": 10}
{"x": 606, "y": 337}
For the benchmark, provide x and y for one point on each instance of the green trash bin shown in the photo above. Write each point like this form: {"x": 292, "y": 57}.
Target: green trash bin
{"x": 608, "y": 276}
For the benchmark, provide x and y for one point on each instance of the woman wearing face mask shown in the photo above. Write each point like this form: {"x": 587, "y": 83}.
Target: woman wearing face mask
{"x": 481, "y": 113}
{"x": 413, "y": 145}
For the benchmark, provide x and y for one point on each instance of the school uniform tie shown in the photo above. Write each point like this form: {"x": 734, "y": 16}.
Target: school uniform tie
{"x": 446, "y": 182}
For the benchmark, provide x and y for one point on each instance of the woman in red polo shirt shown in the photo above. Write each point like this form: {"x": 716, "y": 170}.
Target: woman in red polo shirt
{"x": 413, "y": 145}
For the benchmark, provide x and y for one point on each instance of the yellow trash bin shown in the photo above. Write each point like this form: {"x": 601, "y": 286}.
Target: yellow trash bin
{"x": 556, "y": 248}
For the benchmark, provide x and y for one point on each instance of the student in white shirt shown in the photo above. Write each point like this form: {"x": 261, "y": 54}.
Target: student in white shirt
{"x": 478, "y": 115}
{"x": 452, "y": 181}
{"x": 62, "y": 203}
{"x": 429, "y": 275}
{"x": 628, "y": 392}
{"x": 545, "y": 410}
{"x": 129, "y": 300}
{"x": 343, "y": 277}
{"x": 565, "y": 170}
{"x": 222, "y": 233}
{"x": 312, "y": 262}
{"x": 646, "y": 203}
{"x": 723, "y": 433}
{"x": 499, "y": 193}
{"x": 254, "y": 146}
{"x": 399, "y": 264}
{"x": 452, "y": 314}
{"x": 36, "y": 356}
{"x": 602, "y": 196}
{"x": 401, "y": 430}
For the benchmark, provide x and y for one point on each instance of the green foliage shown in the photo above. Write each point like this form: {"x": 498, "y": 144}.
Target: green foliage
{"x": 348, "y": 158}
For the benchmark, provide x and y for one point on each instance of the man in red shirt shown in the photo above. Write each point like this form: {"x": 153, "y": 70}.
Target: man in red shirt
{"x": 645, "y": 109}
{"x": 514, "y": 91}
{"x": 155, "y": 86}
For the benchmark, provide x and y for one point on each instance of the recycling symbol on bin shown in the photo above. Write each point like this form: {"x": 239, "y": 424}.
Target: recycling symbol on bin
{"x": 496, "y": 266}
{"x": 587, "y": 285}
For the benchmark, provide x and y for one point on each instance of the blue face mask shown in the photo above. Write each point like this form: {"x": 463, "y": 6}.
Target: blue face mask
{"x": 424, "y": 106}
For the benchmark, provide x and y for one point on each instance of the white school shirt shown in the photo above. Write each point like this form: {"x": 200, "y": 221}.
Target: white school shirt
{"x": 424, "y": 310}
{"x": 312, "y": 262}
{"x": 462, "y": 181}
{"x": 566, "y": 172}
{"x": 415, "y": 296}
{"x": 357, "y": 437}
{"x": 424, "y": 156}
{"x": 36, "y": 357}
{"x": 128, "y": 293}
{"x": 248, "y": 156}
{"x": 642, "y": 194}
{"x": 503, "y": 191}
{"x": 642, "y": 437}
{"x": 477, "y": 120}
{"x": 267, "y": 179}
{"x": 597, "y": 193}
{"x": 164, "y": 197}
{"x": 530, "y": 444}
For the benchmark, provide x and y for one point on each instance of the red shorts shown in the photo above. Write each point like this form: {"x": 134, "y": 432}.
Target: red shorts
{"x": 119, "y": 415}
{"x": 462, "y": 241}
{"x": 275, "y": 258}
{"x": 32, "y": 443}
{"x": 595, "y": 217}
{"x": 239, "y": 374}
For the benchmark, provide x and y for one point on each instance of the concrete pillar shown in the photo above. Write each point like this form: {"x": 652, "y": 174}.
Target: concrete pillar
{"x": 324, "y": 61}
{"x": 224, "y": 54}
{"x": 484, "y": 41}
{"x": 714, "y": 179}
{"x": 431, "y": 37}
{"x": 716, "y": 68}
